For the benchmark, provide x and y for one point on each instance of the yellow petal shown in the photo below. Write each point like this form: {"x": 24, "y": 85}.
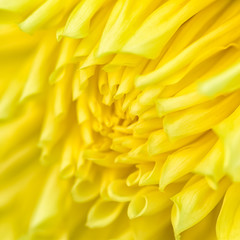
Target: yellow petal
{"x": 201, "y": 117}
{"x": 148, "y": 203}
{"x": 229, "y": 218}
{"x": 103, "y": 213}
{"x": 193, "y": 203}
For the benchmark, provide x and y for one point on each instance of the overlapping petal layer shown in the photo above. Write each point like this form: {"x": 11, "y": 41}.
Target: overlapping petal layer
{"x": 119, "y": 119}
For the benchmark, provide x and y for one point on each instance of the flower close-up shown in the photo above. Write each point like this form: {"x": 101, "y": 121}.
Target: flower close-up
{"x": 119, "y": 120}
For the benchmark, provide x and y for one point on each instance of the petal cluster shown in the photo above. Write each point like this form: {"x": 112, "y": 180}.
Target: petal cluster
{"x": 119, "y": 120}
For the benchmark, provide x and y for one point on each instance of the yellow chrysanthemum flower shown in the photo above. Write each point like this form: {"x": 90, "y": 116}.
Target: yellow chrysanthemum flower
{"x": 119, "y": 120}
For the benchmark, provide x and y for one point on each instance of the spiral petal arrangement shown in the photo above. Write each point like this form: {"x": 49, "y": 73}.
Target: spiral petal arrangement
{"x": 119, "y": 120}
